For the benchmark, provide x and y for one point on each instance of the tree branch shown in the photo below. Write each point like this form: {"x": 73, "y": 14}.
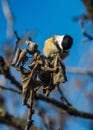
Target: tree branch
{"x": 79, "y": 70}
{"x": 10, "y": 89}
{"x": 6, "y": 118}
{"x": 9, "y": 18}
{"x": 5, "y": 70}
{"x": 69, "y": 109}
{"x": 63, "y": 99}
{"x": 10, "y": 120}
{"x": 89, "y": 7}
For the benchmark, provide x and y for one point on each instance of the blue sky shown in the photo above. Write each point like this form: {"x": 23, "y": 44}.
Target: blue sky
{"x": 46, "y": 18}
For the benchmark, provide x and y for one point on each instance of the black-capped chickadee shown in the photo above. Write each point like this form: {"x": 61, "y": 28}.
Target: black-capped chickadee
{"x": 57, "y": 43}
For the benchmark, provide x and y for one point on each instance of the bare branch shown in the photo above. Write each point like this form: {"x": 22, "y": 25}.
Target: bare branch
{"x": 79, "y": 70}
{"x": 63, "y": 99}
{"x": 9, "y": 18}
{"x": 89, "y": 7}
{"x": 86, "y": 34}
{"x": 5, "y": 70}
{"x": 10, "y": 89}
{"x": 6, "y": 118}
{"x": 69, "y": 109}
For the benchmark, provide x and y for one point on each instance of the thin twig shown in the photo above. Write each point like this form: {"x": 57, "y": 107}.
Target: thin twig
{"x": 63, "y": 97}
{"x": 10, "y": 89}
{"x": 69, "y": 109}
{"x": 9, "y": 18}
{"x": 89, "y": 6}
{"x": 79, "y": 70}
{"x": 5, "y": 70}
{"x": 16, "y": 122}
{"x": 87, "y": 35}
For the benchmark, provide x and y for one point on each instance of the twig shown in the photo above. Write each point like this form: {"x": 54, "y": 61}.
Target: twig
{"x": 62, "y": 96}
{"x": 87, "y": 35}
{"x": 79, "y": 70}
{"x": 89, "y": 7}
{"x": 10, "y": 89}
{"x": 16, "y": 45}
{"x": 69, "y": 109}
{"x": 14, "y": 81}
{"x": 9, "y": 18}
{"x": 16, "y": 122}
{"x": 30, "y": 111}
{"x": 5, "y": 70}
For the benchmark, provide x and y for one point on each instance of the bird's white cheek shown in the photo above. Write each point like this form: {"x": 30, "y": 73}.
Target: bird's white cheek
{"x": 59, "y": 40}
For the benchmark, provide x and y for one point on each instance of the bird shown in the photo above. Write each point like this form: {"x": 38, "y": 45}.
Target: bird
{"x": 57, "y": 44}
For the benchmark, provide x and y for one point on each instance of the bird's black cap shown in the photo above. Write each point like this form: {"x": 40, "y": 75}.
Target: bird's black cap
{"x": 67, "y": 42}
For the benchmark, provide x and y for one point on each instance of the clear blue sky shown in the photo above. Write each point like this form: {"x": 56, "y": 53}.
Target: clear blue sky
{"x": 47, "y": 18}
